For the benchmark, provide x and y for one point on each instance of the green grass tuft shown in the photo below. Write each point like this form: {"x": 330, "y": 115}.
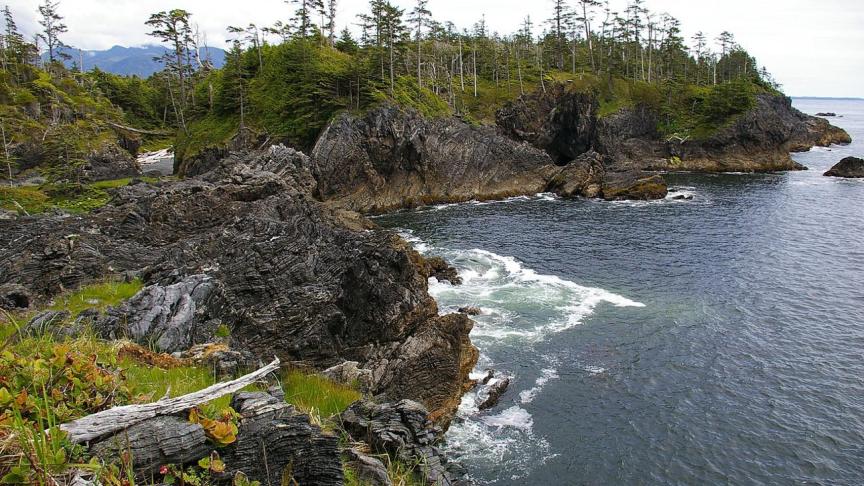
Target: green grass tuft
{"x": 315, "y": 394}
{"x": 99, "y": 296}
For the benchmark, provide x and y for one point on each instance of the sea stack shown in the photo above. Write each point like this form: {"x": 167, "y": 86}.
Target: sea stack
{"x": 850, "y": 168}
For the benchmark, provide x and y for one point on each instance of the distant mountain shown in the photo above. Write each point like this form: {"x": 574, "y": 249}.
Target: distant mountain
{"x": 132, "y": 60}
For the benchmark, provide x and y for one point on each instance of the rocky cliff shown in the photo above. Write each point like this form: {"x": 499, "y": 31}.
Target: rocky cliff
{"x": 393, "y": 158}
{"x": 247, "y": 246}
{"x": 563, "y": 122}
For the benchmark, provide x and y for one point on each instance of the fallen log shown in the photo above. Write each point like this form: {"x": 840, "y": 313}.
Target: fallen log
{"x": 137, "y": 130}
{"x": 115, "y": 419}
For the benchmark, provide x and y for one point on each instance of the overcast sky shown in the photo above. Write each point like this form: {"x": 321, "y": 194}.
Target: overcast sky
{"x": 814, "y": 48}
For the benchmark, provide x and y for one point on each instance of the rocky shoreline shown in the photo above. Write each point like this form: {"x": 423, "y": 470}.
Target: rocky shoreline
{"x": 270, "y": 244}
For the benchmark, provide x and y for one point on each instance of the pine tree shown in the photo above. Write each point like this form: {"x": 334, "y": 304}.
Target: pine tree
{"x": 418, "y": 18}
{"x": 53, "y": 26}
{"x": 173, "y": 28}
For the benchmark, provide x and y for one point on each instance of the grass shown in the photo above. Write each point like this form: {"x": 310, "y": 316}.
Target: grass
{"x": 31, "y": 199}
{"x": 210, "y": 131}
{"x": 99, "y": 296}
{"x": 72, "y": 198}
{"x": 317, "y": 395}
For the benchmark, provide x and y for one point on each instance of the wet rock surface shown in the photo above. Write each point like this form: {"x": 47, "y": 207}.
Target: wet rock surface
{"x": 850, "y": 167}
{"x": 404, "y": 431}
{"x": 494, "y": 389}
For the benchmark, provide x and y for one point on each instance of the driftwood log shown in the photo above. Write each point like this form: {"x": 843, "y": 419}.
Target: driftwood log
{"x": 115, "y": 419}
{"x": 124, "y": 128}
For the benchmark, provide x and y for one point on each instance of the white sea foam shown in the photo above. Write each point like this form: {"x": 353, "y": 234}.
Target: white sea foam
{"x": 519, "y": 306}
{"x": 594, "y": 370}
{"x": 527, "y": 396}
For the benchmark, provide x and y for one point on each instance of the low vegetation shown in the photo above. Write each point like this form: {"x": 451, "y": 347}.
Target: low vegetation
{"x": 67, "y": 197}
{"x": 46, "y": 381}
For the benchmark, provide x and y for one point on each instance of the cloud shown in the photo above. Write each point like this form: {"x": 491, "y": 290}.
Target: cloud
{"x": 812, "y": 49}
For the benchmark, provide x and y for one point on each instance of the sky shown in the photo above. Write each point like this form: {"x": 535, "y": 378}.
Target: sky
{"x": 813, "y": 48}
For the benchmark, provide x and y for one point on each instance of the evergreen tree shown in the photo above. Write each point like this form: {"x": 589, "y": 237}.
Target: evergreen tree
{"x": 53, "y": 26}
{"x": 173, "y": 28}
{"x": 418, "y": 18}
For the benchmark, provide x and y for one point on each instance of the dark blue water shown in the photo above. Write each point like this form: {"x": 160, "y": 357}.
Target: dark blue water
{"x": 714, "y": 340}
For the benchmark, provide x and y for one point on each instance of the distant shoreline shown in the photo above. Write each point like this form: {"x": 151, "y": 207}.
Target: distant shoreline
{"x": 825, "y": 98}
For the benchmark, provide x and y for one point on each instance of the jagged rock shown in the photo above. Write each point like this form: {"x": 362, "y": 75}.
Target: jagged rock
{"x": 219, "y": 357}
{"x": 15, "y": 296}
{"x": 758, "y": 141}
{"x": 558, "y": 120}
{"x": 492, "y": 394}
{"x": 163, "y": 315}
{"x": 850, "y": 167}
{"x": 438, "y": 268}
{"x": 402, "y": 430}
{"x": 633, "y": 185}
{"x": 156, "y": 442}
{"x": 201, "y": 163}
{"x": 582, "y": 177}
{"x": 431, "y": 367}
{"x": 828, "y": 114}
{"x": 565, "y": 124}
{"x": 276, "y": 441}
{"x": 111, "y": 162}
{"x": 53, "y": 323}
{"x": 370, "y": 470}
{"x": 470, "y": 310}
{"x": 393, "y": 158}
{"x": 350, "y": 373}
{"x": 290, "y": 277}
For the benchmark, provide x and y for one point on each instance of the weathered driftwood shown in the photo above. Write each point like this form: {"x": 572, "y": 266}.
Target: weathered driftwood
{"x": 136, "y": 130}
{"x": 118, "y": 418}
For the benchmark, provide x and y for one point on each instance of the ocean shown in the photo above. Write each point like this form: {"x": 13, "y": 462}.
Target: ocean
{"x": 718, "y": 339}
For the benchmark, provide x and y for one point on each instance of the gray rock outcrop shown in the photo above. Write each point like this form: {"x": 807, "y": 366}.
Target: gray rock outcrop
{"x": 404, "y": 431}
{"x": 850, "y": 168}
{"x": 252, "y": 250}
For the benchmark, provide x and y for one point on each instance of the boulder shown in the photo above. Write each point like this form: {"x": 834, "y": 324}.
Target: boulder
{"x": 491, "y": 395}
{"x": 404, "y": 431}
{"x": 164, "y": 316}
{"x": 155, "y": 443}
{"x": 633, "y": 185}
{"x": 275, "y": 441}
{"x": 850, "y": 167}
{"x": 110, "y": 162}
{"x": 582, "y": 177}
{"x": 370, "y": 470}
{"x": 442, "y": 271}
{"x": 350, "y": 373}
{"x": 470, "y": 310}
